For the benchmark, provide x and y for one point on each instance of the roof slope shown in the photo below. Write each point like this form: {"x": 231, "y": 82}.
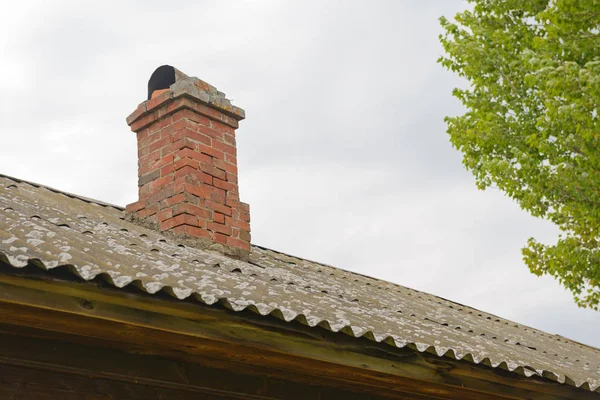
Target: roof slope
{"x": 49, "y": 228}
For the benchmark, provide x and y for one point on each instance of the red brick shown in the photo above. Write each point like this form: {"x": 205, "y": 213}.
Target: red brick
{"x": 133, "y": 207}
{"x": 218, "y": 195}
{"x": 139, "y": 111}
{"x": 194, "y": 155}
{"x": 194, "y": 136}
{"x": 224, "y": 185}
{"x": 158, "y": 164}
{"x": 167, "y": 170}
{"x": 245, "y": 207}
{"x": 159, "y": 144}
{"x": 213, "y": 171}
{"x": 142, "y": 134}
{"x": 218, "y": 126}
{"x": 164, "y": 214}
{"x": 157, "y": 93}
{"x": 193, "y": 173}
{"x": 237, "y": 223}
{"x": 177, "y": 125}
{"x": 230, "y": 139}
{"x": 180, "y": 187}
{"x": 184, "y": 171}
{"x": 223, "y": 209}
{"x": 230, "y": 159}
{"x": 231, "y": 177}
{"x": 148, "y": 211}
{"x": 219, "y": 228}
{"x": 219, "y": 218}
{"x": 201, "y": 190}
{"x": 144, "y": 191}
{"x": 178, "y": 198}
{"x": 165, "y": 193}
{"x": 149, "y": 159}
{"x": 192, "y": 231}
{"x": 240, "y": 244}
{"x": 142, "y": 152}
{"x": 231, "y": 168}
{"x": 185, "y": 208}
{"x": 193, "y": 199}
{"x": 186, "y": 161}
{"x": 211, "y": 151}
{"x": 233, "y": 202}
{"x": 155, "y": 136}
{"x": 149, "y": 139}
{"x": 218, "y": 163}
{"x": 183, "y": 219}
{"x": 210, "y": 132}
{"x": 229, "y": 121}
{"x": 179, "y": 145}
{"x": 207, "y": 111}
{"x": 225, "y": 148}
{"x": 217, "y": 116}
{"x": 180, "y": 184}
{"x": 220, "y": 238}
{"x": 184, "y": 143}
{"x": 142, "y": 122}
{"x": 183, "y": 197}
{"x": 160, "y": 124}
{"x": 160, "y": 182}
{"x": 175, "y": 106}
{"x": 244, "y": 216}
{"x": 191, "y": 125}
{"x": 233, "y": 195}
{"x": 159, "y": 100}
{"x": 181, "y": 113}
{"x": 205, "y": 191}
{"x": 144, "y": 170}
{"x": 191, "y": 115}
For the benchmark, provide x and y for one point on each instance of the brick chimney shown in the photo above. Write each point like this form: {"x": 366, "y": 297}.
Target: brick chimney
{"x": 187, "y": 165}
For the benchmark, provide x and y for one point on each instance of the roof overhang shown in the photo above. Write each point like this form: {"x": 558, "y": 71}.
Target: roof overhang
{"x": 55, "y": 302}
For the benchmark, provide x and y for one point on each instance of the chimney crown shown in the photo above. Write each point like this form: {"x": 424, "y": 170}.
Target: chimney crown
{"x": 187, "y": 163}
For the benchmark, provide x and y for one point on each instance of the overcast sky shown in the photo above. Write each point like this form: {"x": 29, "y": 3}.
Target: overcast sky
{"x": 343, "y": 156}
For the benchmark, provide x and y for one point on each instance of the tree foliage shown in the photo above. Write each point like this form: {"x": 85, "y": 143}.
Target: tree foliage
{"x": 532, "y": 125}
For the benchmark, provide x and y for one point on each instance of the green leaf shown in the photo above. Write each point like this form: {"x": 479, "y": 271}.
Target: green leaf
{"x": 532, "y": 127}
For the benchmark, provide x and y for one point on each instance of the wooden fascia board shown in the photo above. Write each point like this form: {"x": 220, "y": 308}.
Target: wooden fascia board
{"x": 186, "y": 328}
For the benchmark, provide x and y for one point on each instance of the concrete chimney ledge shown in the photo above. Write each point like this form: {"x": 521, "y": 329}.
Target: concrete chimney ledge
{"x": 195, "y": 89}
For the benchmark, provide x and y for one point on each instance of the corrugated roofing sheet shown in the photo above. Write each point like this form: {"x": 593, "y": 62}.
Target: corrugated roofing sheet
{"x": 49, "y": 228}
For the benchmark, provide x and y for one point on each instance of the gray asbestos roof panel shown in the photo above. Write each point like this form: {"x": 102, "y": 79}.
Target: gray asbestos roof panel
{"x": 49, "y": 228}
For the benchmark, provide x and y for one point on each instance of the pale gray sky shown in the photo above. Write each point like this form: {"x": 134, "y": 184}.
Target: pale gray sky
{"x": 343, "y": 156}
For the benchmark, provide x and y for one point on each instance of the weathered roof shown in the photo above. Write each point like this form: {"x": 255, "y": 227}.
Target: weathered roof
{"x": 49, "y": 228}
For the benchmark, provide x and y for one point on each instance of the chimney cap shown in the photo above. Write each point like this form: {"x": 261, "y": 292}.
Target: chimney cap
{"x": 163, "y": 77}
{"x": 169, "y": 84}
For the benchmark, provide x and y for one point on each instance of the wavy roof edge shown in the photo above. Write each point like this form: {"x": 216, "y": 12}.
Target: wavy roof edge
{"x": 440, "y": 351}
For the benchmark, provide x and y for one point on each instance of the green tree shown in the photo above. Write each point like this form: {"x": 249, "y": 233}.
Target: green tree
{"x": 531, "y": 126}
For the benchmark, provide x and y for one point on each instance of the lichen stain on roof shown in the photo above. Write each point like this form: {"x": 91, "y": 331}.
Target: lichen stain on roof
{"x": 49, "y": 228}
